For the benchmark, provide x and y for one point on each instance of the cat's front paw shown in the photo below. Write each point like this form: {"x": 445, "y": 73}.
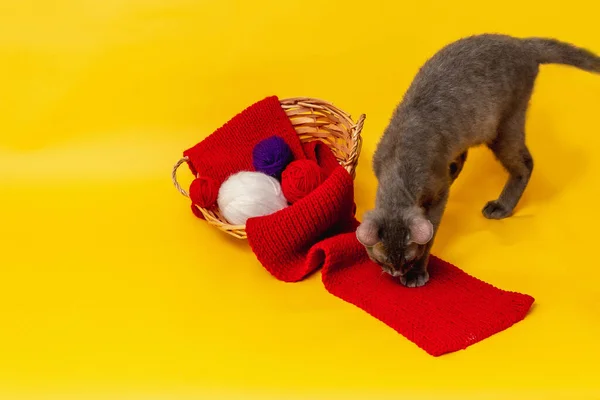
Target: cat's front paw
{"x": 415, "y": 278}
{"x": 495, "y": 210}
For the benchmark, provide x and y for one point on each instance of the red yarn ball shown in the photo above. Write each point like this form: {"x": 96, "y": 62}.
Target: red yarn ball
{"x": 197, "y": 212}
{"x": 299, "y": 179}
{"x": 204, "y": 191}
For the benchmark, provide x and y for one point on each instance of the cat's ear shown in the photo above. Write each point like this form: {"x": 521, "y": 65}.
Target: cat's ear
{"x": 421, "y": 230}
{"x": 368, "y": 231}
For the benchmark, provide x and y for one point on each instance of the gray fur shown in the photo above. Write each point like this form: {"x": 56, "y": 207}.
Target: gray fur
{"x": 473, "y": 92}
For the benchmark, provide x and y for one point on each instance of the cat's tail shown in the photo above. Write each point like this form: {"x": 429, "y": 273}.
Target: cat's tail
{"x": 552, "y": 51}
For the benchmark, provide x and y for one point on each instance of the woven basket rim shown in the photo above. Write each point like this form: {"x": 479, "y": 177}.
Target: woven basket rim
{"x": 293, "y": 107}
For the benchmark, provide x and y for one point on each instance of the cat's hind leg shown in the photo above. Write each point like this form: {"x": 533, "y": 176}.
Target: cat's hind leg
{"x": 510, "y": 149}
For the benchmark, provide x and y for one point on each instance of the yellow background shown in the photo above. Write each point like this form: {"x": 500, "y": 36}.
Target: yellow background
{"x": 109, "y": 286}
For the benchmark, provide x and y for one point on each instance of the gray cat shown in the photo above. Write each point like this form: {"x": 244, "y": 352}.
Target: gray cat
{"x": 473, "y": 92}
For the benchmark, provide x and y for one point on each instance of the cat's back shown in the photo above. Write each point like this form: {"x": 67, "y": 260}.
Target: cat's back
{"x": 487, "y": 64}
{"x": 466, "y": 88}
{"x": 486, "y": 55}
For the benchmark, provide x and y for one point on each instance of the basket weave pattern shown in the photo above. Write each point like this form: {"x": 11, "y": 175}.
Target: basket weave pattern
{"x": 312, "y": 119}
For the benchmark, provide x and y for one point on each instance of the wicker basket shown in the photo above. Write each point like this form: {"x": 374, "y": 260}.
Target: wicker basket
{"x": 312, "y": 119}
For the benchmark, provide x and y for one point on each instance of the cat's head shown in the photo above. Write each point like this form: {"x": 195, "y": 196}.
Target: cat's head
{"x": 395, "y": 240}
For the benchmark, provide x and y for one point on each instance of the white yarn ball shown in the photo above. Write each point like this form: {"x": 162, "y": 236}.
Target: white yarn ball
{"x": 249, "y": 194}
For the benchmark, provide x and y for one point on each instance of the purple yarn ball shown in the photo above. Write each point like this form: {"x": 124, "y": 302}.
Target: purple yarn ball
{"x": 271, "y": 155}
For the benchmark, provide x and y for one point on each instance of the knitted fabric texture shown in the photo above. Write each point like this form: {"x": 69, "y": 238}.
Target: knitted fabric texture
{"x": 229, "y": 148}
{"x": 452, "y": 311}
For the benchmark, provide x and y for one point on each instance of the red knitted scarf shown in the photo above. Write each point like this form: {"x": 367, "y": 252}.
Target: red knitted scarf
{"x": 452, "y": 311}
